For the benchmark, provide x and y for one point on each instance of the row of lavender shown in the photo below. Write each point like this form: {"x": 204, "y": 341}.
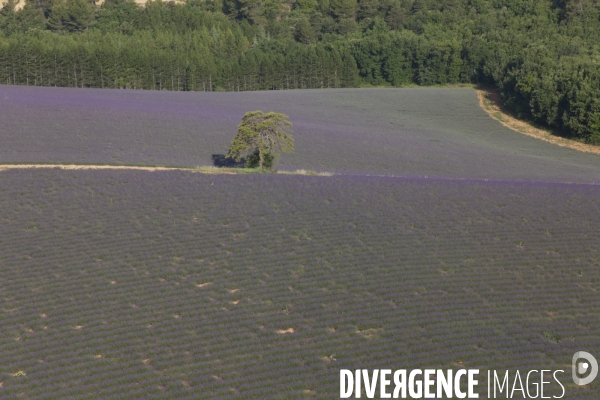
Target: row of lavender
{"x": 407, "y": 132}
{"x": 178, "y": 285}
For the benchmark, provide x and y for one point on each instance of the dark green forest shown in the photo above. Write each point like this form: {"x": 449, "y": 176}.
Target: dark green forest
{"x": 542, "y": 55}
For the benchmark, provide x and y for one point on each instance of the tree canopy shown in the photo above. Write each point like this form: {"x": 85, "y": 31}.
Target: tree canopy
{"x": 266, "y": 135}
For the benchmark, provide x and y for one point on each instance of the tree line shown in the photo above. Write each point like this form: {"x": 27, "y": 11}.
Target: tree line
{"x": 166, "y": 61}
{"x": 542, "y": 55}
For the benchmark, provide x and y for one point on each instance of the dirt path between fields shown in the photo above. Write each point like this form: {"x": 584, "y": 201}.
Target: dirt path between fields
{"x": 202, "y": 170}
{"x": 76, "y": 166}
{"x": 490, "y": 101}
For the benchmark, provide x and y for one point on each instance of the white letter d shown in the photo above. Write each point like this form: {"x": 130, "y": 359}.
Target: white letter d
{"x": 346, "y": 383}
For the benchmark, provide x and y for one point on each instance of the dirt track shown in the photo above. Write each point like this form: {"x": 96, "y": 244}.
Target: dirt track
{"x": 75, "y": 166}
{"x": 492, "y": 104}
{"x": 199, "y": 169}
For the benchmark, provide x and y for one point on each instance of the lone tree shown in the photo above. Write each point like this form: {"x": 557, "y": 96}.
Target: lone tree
{"x": 261, "y": 138}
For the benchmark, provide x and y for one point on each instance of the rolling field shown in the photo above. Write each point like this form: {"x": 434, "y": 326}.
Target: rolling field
{"x": 121, "y": 284}
{"x": 403, "y": 132}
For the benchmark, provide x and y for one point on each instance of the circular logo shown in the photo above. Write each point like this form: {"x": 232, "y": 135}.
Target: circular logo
{"x": 584, "y": 362}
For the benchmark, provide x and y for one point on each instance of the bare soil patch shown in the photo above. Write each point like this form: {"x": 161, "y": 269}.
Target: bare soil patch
{"x": 283, "y": 331}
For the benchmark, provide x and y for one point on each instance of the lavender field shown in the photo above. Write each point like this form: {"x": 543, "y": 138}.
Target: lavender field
{"x": 443, "y": 240}
{"x": 132, "y": 284}
{"x": 402, "y": 132}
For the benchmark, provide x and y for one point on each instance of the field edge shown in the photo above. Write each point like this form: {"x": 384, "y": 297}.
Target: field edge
{"x": 492, "y": 104}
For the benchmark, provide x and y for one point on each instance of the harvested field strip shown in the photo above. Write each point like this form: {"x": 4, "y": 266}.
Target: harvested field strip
{"x": 490, "y": 101}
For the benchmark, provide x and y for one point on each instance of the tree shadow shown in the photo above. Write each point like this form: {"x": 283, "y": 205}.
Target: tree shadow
{"x": 221, "y": 161}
